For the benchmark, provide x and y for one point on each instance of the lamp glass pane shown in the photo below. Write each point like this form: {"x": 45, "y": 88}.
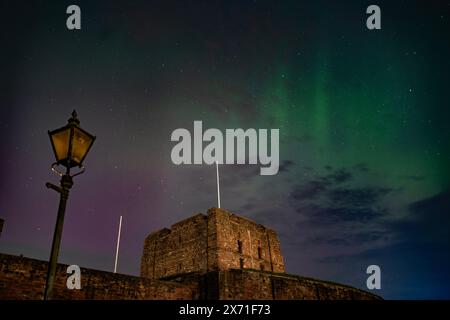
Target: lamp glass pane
{"x": 80, "y": 145}
{"x": 60, "y": 141}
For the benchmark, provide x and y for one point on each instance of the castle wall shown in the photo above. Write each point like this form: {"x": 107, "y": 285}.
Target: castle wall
{"x": 218, "y": 256}
{"x": 244, "y": 243}
{"x": 181, "y": 249}
{"x": 257, "y": 285}
{"x": 219, "y": 241}
{"x": 24, "y": 278}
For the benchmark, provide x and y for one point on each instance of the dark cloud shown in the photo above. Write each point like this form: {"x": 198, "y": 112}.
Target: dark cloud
{"x": 329, "y": 185}
{"x": 325, "y": 200}
{"x": 331, "y": 215}
{"x": 341, "y": 176}
{"x": 357, "y": 197}
{"x": 320, "y": 184}
{"x": 285, "y": 165}
{"x": 438, "y": 205}
{"x": 428, "y": 221}
{"x": 309, "y": 191}
{"x": 349, "y": 239}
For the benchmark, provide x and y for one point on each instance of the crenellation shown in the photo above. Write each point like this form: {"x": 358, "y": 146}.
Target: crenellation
{"x": 219, "y": 240}
{"x": 219, "y": 255}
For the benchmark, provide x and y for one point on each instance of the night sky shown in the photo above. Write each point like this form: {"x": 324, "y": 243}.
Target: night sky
{"x": 363, "y": 118}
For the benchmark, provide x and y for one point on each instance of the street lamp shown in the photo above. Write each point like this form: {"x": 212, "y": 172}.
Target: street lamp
{"x": 70, "y": 145}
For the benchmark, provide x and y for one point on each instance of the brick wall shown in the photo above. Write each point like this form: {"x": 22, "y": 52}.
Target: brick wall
{"x": 219, "y": 241}
{"x": 24, "y": 278}
{"x": 244, "y": 243}
{"x": 181, "y": 249}
{"x": 217, "y": 256}
{"x": 257, "y": 285}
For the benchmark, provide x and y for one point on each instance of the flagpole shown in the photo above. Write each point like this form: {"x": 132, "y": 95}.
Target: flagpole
{"x": 118, "y": 244}
{"x": 218, "y": 185}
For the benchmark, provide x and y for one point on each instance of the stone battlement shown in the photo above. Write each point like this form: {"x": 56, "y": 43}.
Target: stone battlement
{"x": 215, "y": 256}
{"x": 219, "y": 240}
{"x": 24, "y": 278}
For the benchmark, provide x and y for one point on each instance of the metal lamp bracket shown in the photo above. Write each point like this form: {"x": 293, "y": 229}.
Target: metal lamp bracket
{"x": 82, "y": 169}
{"x": 55, "y": 169}
{"x": 61, "y": 173}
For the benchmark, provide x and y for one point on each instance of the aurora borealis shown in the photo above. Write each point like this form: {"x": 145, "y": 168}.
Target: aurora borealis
{"x": 364, "y": 140}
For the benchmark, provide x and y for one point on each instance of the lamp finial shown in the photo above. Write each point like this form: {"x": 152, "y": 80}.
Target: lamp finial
{"x": 74, "y": 118}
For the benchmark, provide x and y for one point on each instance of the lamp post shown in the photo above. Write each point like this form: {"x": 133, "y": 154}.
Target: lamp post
{"x": 70, "y": 145}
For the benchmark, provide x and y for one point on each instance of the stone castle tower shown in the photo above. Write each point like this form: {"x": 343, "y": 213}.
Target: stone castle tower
{"x": 215, "y": 256}
{"x": 218, "y": 241}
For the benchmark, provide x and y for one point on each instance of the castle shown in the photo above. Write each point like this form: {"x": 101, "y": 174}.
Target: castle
{"x": 215, "y": 256}
{"x": 217, "y": 242}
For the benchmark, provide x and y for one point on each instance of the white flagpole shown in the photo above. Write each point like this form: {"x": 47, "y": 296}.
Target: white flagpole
{"x": 218, "y": 185}
{"x": 118, "y": 244}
